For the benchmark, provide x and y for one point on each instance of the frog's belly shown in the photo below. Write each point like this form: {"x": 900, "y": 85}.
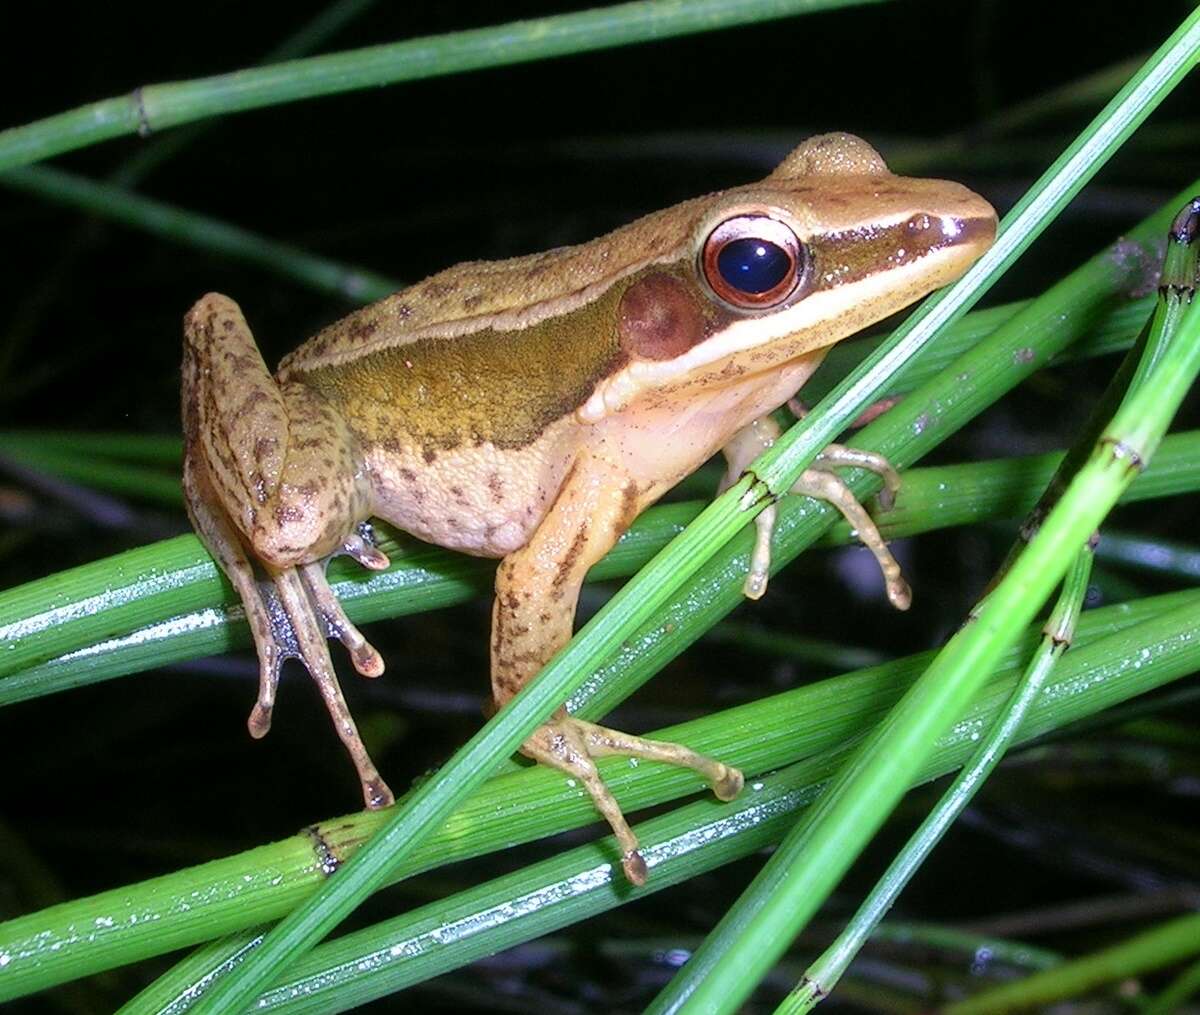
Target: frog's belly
{"x": 477, "y": 499}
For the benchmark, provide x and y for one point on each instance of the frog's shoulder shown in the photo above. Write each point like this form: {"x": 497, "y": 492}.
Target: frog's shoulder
{"x": 511, "y": 294}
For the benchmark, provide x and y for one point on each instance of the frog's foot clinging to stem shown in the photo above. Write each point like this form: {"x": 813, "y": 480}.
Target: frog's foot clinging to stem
{"x": 571, "y": 745}
{"x": 820, "y": 481}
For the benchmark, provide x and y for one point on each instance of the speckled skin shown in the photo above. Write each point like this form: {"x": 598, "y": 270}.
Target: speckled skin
{"x": 529, "y": 409}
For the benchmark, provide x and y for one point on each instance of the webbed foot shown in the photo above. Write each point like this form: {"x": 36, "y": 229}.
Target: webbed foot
{"x": 292, "y": 617}
{"x": 571, "y": 745}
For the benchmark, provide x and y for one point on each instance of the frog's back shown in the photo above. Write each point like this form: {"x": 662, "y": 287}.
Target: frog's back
{"x": 510, "y": 294}
{"x": 494, "y": 352}
{"x": 487, "y": 351}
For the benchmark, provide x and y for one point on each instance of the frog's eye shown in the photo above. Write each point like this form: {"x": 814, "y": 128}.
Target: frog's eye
{"x": 753, "y": 261}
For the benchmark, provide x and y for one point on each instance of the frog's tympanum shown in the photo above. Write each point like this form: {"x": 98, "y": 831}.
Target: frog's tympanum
{"x": 529, "y": 409}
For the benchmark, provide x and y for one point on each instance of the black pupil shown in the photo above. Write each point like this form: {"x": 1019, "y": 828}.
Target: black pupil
{"x": 752, "y": 265}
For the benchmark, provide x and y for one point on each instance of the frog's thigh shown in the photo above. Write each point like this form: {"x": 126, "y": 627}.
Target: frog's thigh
{"x": 235, "y": 421}
{"x": 280, "y": 460}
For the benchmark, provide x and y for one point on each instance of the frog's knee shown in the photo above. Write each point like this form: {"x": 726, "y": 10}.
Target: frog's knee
{"x": 213, "y": 317}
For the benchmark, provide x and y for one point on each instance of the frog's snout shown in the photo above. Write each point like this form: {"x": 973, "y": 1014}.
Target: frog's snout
{"x": 969, "y": 221}
{"x": 976, "y": 231}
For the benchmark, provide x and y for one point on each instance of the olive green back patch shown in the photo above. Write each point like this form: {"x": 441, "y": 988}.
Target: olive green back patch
{"x": 502, "y": 387}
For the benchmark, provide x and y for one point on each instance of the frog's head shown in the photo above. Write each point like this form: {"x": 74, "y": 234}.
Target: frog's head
{"x": 828, "y": 244}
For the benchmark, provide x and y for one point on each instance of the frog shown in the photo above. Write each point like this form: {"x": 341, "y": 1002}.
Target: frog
{"x": 529, "y": 409}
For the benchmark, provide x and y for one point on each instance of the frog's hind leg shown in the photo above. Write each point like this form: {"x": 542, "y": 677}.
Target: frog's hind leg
{"x": 537, "y": 589}
{"x": 222, "y": 540}
{"x": 268, "y": 478}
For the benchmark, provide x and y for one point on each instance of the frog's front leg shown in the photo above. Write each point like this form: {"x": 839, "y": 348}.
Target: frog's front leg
{"x": 537, "y": 589}
{"x": 821, "y": 482}
{"x": 269, "y": 480}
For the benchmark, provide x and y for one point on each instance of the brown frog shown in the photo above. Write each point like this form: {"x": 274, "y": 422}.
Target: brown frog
{"x": 529, "y": 409}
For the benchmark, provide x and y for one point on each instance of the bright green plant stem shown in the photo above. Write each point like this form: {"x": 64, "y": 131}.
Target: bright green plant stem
{"x": 1162, "y": 945}
{"x": 1176, "y": 288}
{"x": 823, "y": 975}
{"x": 816, "y": 721}
{"x": 690, "y": 840}
{"x": 1155, "y": 353}
{"x": 156, "y": 107}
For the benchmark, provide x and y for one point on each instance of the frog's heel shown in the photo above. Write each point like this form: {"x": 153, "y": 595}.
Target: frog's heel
{"x": 257, "y": 488}
{"x": 537, "y": 588}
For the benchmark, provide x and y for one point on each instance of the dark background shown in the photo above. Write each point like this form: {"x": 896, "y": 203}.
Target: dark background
{"x": 138, "y": 776}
